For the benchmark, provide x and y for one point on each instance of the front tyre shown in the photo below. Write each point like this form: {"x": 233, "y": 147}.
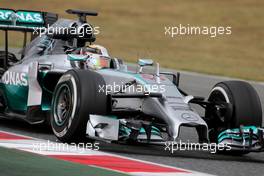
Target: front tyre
{"x": 76, "y": 96}
{"x": 244, "y": 107}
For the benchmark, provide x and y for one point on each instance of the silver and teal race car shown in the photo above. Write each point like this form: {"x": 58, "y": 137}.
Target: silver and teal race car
{"x": 64, "y": 80}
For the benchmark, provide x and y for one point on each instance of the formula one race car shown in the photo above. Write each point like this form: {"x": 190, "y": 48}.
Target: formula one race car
{"x": 62, "y": 79}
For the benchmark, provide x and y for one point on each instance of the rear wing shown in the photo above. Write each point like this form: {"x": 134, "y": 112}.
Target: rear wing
{"x": 24, "y": 21}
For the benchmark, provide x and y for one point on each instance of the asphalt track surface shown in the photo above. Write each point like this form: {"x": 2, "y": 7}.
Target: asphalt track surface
{"x": 194, "y": 84}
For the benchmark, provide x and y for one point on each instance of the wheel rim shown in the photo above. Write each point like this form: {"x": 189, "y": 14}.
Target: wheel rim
{"x": 63, "y": 105}
{"x": 218, "y": 94}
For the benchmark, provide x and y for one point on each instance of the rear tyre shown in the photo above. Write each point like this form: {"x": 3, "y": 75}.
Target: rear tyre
{"x": 244, "y": 107}
{"x": 75, "y": 97}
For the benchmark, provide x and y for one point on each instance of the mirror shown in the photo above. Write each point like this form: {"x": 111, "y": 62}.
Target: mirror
{"x": 145, "y": 62}
{"x": 76, "y": 57}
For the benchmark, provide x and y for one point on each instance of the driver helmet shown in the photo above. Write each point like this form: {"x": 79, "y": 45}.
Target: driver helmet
{"x": 98, "y": 62}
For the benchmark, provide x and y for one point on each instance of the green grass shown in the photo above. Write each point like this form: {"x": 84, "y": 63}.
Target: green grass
{"x": 133, "y": 29}
{"x": 19, "y": 163}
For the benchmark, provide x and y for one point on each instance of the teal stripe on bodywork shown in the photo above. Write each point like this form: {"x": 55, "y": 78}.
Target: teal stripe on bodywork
{"x": 16, "y": 96}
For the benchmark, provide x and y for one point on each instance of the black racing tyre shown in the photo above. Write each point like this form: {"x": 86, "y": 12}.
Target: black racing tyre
{"x": 75, "y": 97}
{"x": 245, "y": 107}
{"x": 2, "y": 101}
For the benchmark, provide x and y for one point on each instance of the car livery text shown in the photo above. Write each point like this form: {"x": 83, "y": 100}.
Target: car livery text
{"x": 14, "y": 78}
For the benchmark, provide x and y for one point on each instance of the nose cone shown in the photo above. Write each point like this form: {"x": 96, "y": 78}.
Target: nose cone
{"x": 188, "y": 118}
{"x": 176, "y": 113}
